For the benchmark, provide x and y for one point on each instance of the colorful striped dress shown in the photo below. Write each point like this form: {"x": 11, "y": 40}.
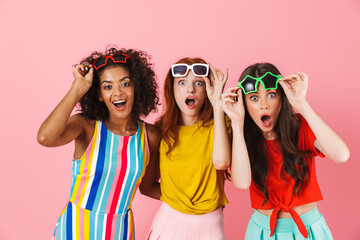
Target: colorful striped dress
{"x": 103, "y": 185}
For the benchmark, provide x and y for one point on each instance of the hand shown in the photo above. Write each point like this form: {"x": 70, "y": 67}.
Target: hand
{"x": 232, "y": 104}
{"x": 215, "y": 87}
{"x": 295, "y": 87}
{"x": 83, "y": 76}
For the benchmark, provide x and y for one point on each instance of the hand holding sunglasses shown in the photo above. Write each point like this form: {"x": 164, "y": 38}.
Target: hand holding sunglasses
{"x": 232, "y": 104}
{"x": 295, "y": 87}
{"x": 215, "y": 86}
{"x": 84, "y": 76}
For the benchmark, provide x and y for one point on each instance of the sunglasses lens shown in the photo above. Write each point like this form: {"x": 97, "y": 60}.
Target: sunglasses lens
{"x": 179, "y": 70}
{"x": 200, "y": 70}
{"x": 270, "y": 81}
{"x": 98, "y": 63}
{"x": 249, "y": 85}
{"x": 119, "y": 58}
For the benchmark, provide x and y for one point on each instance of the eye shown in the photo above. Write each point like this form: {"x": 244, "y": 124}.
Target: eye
{"x": 198, "y": 83}
{"x": 254, "y": 98}
{"x": 125, "y": 84}
{"x": 272, "y": 95}
{"x": 181, "y": 82}
{"x": 107, "y": 87}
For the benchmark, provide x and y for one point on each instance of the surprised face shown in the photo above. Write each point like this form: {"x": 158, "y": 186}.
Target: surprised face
{"x": 190, "y": 95}
{"x": 264, "y": 107}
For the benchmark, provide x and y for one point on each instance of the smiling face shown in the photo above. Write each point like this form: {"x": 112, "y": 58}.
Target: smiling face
{"x": 264, "y": 108}
{"x": 190, "y": 95}
{"x": 117, "y": 91}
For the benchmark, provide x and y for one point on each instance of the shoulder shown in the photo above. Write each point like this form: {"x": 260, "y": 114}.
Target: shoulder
{"x": 83, "y": 122}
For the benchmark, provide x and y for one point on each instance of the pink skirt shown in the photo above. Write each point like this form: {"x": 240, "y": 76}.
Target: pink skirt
{"x": 170, "y": 224}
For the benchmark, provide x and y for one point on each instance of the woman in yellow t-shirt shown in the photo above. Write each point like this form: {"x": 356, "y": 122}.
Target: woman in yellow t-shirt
{"x": 191, "y": 169}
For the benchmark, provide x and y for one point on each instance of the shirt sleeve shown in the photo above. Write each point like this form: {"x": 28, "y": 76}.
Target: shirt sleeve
{"x": 307, "y": 138}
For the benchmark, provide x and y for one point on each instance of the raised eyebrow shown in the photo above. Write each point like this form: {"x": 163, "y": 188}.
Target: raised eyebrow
{"x": 125, "y": 78}
{"x": 105, "y": 81}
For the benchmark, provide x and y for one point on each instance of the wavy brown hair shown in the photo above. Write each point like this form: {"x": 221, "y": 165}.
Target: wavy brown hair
{"x": 286, "y": 128}
{"x": 141, "y": 74}
{"x": 170, "y": 117}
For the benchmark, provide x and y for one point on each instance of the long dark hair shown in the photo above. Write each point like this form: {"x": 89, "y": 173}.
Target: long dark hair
{"x": 286, "y": 128}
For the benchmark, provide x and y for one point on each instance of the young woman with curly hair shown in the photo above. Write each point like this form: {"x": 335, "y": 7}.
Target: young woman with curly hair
{"x": 112, "y": 145}
{"x": 191, "y": 167}
{"x": 281, "y": 147}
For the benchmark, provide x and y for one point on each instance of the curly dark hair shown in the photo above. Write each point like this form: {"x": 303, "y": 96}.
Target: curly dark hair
{"x": 141, "y": 74}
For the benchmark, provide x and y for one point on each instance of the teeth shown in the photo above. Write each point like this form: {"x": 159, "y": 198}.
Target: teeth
{"x": 120, "y": 101}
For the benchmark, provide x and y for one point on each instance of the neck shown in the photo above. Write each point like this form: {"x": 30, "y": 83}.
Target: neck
{"x": 124, "y": 126}
{"x": 271, "y": 135}
{"x": 187, "y": 120}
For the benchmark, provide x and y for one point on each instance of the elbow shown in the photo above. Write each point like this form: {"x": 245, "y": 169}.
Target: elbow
{"x": 242, "y": 184}
{"x": 221, "y": 165}
{"x": 344, "y": 157}
{"x": 142, "y": 189}
{"x": 43, "y": 140}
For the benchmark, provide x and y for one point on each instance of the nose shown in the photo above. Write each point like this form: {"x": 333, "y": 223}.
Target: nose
{"x": 190, "y": 88}
{"x": 117, "y": 90}
{"x": 264, "y": 104}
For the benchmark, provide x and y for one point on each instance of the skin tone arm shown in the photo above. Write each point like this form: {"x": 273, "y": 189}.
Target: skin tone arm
{"x": 59, "y": 128}
{"x": 240, "y": 163}
{"x": 328, "y": 142}
{"x": 214, "y": 89}
{"x": 150, "y": 185}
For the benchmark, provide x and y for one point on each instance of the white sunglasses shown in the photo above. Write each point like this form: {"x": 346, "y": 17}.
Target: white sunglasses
{"x": 182, "y": 69}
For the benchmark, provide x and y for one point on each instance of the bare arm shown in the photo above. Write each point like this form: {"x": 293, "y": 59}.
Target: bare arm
{"x": 59, "y": 128}
{"x": 240, "y": 163}
{"x": 221, "y": 149}
{"x": 150, "y": 185}
{"x": 328, "y": 142}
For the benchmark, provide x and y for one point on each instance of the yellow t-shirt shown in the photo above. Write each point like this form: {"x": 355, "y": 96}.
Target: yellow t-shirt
{"x": 189, "y": 181}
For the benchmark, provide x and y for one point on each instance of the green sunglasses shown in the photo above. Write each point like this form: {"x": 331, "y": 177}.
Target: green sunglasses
{"x": 269, "y": 81}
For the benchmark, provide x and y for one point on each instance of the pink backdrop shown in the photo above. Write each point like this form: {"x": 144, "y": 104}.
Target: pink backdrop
{"x": 41, "y": 40}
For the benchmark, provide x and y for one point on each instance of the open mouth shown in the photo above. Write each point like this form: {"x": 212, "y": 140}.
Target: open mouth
{"x": 190, "y": 102}
{"x": 266, "y": 119}
{"x": 120, "y": 103}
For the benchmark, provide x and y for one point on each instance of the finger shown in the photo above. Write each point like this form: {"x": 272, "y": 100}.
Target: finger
{"x": 213, "y": 70}
{"x": 91, "y": 72}
{"x": 239, "y": 92}
{"x": 207, "y": 82}
{"x": 232, "y": 89}
{"x": 227, "y": 94}
{"x": 226, "y": 75}
{"x": 286, "y": 87}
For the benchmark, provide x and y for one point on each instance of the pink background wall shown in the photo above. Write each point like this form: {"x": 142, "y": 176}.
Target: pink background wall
{"x": 41, "y": 40}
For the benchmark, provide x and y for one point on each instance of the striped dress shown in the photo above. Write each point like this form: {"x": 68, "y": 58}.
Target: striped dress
{"x": 103, "y": 185}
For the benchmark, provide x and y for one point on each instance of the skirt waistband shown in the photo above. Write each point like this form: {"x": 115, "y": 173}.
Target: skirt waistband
{"x": 192, "y": 218}
{"x": 286, "y": 223}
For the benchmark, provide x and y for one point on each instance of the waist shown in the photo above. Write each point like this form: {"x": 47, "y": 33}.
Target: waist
{"x": 300, "y": 210}
{"x": 80, "y": 210}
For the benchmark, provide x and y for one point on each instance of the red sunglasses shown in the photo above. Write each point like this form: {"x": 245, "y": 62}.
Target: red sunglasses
{"x": 116, "y": 58}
